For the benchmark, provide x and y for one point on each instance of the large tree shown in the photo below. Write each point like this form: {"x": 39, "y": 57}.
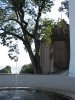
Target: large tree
{"x": 20, "y": 20}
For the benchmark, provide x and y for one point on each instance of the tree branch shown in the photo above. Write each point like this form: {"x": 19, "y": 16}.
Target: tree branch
{"x": 31, "y": 35}
{"x": 23, "y": 28}
{"x": 38, "y": 17}
{"x": 15, "y": 35}
{"x": 13, "y": 20}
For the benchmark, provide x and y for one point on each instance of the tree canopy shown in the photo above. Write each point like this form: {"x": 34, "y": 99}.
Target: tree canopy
{"x": 20, "y": 20}
{"x": 65, "y": 7}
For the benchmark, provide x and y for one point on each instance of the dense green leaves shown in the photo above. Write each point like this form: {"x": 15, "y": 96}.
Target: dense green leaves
{"x": 27, "y": 69}
{"x": 50, "y": 28}
{"x": 46, "y": 30}
{"x": 60, "y": 30}
{"x": 7, "y": 69}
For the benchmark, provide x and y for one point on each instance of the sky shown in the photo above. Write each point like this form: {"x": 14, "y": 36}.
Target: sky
{"x": 24, "y": 57}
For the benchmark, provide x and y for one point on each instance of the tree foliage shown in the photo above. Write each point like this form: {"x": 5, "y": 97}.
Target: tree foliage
{"x": 51, "y": 28}
{"x": 46, "y": 30}
{"x": 7, "y": 69}
{"x": 65, "y": 7}
{"x": 60, "y": 29}
{"x": 27, "y": 69}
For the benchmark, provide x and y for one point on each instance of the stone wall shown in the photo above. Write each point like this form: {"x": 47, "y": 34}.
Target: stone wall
{"x": 60, "y": 55}
{"x": 54, "y": 58}
{"x": 45, "y": 59}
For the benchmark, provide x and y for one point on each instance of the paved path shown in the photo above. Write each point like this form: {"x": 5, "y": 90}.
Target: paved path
{"x": 60, "y": 83}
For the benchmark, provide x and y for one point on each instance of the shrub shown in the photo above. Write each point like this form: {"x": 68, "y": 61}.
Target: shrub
{"x": 27, "y": 69}
{"x": 7, "y": 69}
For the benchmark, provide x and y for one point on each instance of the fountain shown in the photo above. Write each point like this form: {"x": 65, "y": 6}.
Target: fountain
{"x": 31, "y": 94}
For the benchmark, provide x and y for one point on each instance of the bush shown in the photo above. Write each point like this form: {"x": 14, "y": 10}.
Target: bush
{"x": 27, "y": 69}
{"x": 7, "y": 69}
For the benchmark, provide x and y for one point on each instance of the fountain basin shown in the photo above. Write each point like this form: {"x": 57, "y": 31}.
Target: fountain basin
{"x": 30, "y": 94}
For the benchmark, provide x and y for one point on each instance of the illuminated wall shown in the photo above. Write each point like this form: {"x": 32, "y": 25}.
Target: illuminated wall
{"x": 72, "y": 36}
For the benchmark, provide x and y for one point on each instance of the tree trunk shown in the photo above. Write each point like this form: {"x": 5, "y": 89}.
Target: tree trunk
{"x": 35, "y": 59}
{"x": 36, "y": 63}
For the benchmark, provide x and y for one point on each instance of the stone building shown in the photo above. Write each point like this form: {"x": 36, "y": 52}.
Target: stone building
{"x": 56, "y": 56}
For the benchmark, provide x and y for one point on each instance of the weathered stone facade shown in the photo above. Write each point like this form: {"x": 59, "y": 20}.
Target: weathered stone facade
{"x": 56, "y": 56}
{"x": 45, "y": 62}
{"x": 61, "y": 55}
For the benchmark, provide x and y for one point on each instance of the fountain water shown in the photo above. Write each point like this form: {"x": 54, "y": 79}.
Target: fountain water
{"x": 32, "y": 95}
